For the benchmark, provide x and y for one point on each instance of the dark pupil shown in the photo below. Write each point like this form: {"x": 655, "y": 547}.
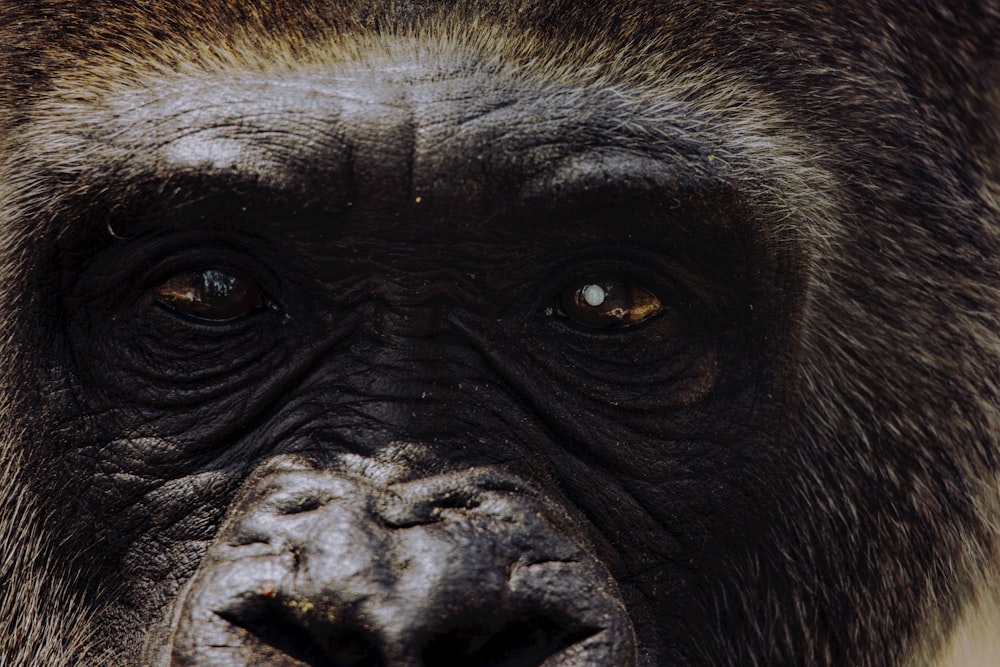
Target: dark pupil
{"x": 209, "y": 294}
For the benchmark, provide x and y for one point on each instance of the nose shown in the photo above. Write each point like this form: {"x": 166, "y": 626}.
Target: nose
{"x": 468, "y": 569}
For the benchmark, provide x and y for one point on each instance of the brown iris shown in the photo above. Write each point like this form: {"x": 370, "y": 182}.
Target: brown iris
{"x": 210, "y": 294}
{"x": 613, "y": 303}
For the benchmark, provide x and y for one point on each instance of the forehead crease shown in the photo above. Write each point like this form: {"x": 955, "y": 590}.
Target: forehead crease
{"x": 452, "y": 131}
{"x": 283, "y": 130}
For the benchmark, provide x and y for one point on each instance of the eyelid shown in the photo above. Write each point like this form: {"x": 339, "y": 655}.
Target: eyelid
{"x": 166, "y": 254}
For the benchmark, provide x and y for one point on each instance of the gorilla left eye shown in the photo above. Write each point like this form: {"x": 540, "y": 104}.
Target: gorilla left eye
{"x": 611, "y": 303}
{"x": 210, "y": 294}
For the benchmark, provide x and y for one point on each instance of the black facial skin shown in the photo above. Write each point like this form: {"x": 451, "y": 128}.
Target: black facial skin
{"x": 395, "y": 332}
{"x": 370, "y": 343}
{"x": 387, "y": 341}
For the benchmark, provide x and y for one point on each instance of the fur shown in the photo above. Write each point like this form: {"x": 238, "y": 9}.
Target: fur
{"x": 868, "y": 131}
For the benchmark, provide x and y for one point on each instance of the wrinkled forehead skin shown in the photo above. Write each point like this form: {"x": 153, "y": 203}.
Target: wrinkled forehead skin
{"x": 763, "y": 69}
{"x": 858, "y": 142}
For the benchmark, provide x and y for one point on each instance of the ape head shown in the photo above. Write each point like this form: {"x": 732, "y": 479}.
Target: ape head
{"x": 498, "y": 334}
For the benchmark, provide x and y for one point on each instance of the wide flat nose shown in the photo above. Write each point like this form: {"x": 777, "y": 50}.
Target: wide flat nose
{"x": 465, "y": 569}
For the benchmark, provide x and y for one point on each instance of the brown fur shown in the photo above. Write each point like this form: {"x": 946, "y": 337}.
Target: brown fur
{"x": 869, "y": 131}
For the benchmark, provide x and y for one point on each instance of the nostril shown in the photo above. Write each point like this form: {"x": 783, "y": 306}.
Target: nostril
{"x": 350, "y": 648}
{"x": 521, "y": 642}
{"x": 277, "y": 634}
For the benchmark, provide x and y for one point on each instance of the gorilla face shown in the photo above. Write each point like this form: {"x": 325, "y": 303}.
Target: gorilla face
{"x": 469, "y": 386}
{"x": 425, "y": 336}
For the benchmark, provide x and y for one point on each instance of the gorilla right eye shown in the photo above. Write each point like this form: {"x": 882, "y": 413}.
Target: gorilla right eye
{"x": 610, "y": 304}
{"x": 210, "y": 294}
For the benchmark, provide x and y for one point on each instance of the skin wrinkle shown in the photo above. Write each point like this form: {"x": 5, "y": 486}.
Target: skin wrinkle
{"x": 828, "y": 183}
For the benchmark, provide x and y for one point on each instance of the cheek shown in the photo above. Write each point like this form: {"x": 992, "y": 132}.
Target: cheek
{"x": 660, "y": 386}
